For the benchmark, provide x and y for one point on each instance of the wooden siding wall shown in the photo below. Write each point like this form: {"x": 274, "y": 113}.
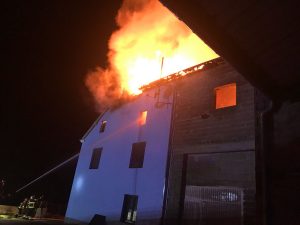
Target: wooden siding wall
{"x": 200, "y": 128}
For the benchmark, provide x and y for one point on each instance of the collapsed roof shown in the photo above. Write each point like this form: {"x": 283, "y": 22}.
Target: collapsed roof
{"x": 259, "y": 38}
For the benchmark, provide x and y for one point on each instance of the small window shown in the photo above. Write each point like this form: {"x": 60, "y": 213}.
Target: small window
{"x": 143, "y": 118}
{"x": 94, "y": 164}
{"x": 225, "y": 96}
{"x": 103, "y": 125}
{"x": 129, "y": 209}
{"x": 137, "y": 155}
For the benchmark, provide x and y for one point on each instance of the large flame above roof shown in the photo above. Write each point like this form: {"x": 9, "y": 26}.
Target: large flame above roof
{"x": 148, "y": 35}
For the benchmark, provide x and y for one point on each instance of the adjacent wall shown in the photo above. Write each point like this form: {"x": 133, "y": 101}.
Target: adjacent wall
{"x": 210, "y": 148}
{"x": 199, "y": 128}
{"x": 101, "y": 191}
{"x": 283, "y": 167}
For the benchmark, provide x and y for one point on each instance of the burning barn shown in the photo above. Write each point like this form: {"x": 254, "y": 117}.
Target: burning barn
{"x": 183, "y": 150}
{"x": 122, "y": 163}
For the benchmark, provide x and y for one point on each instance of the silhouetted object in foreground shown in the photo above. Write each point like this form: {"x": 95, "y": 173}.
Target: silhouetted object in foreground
{"x": 98, "y": 220}
{"x": 41, "y": 207}
{"x": 22, "y": 207}
{"x": 2, "y": 190}
{"x": 32, "y": 207}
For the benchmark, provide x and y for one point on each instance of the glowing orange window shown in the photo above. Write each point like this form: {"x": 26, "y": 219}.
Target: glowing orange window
{"x": 225, "y": 96}
{"x": 143, "y": 118}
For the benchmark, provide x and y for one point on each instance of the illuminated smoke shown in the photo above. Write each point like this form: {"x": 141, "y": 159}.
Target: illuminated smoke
{"x": 147, "y": 32}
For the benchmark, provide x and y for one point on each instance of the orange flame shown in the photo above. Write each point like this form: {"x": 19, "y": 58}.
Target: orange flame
{"x": 148, "y": 32}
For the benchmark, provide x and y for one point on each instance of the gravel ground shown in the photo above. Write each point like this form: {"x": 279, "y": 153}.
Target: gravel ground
{"x": 26, "y": 222}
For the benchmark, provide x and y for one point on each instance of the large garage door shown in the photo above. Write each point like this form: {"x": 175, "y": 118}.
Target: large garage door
{"x": 213, "y": 205}
{"x": 219, "y": 189}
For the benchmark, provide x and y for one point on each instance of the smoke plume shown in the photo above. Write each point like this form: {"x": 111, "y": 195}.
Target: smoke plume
{"x": 147, "y": 32}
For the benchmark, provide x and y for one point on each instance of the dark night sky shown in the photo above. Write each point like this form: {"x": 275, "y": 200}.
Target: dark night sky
{"x": 46, "y": 49}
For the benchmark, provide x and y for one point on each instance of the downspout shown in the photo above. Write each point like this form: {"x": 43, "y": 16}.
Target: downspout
{"x": 265, "y": 145}
{"x": 167, "y": 172}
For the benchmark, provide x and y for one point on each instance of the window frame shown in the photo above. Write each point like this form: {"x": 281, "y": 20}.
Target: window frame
{"x": 216, "y": 96}
{"x": 95, "y": 158}
{"x": 142, "y": 121}
{"x": 130, "y": 203}
{"x": 137, "y": 155}
{"x": 102, "y": 126}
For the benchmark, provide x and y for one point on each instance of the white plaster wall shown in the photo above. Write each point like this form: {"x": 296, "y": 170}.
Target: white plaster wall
{"x": 102, "y": 190}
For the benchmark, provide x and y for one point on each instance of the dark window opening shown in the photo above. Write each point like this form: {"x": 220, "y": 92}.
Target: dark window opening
{"x": 129, "y": 209}
{"x": 225, "y": 96}
{"x": 94, "y": 164}
{"x": 137, "y": 155}
{"x": 103, "y": 125}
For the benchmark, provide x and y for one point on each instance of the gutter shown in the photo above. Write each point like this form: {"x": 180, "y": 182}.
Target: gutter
{"x": 262, "y": 159}
{"x": 166, "y": 188}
